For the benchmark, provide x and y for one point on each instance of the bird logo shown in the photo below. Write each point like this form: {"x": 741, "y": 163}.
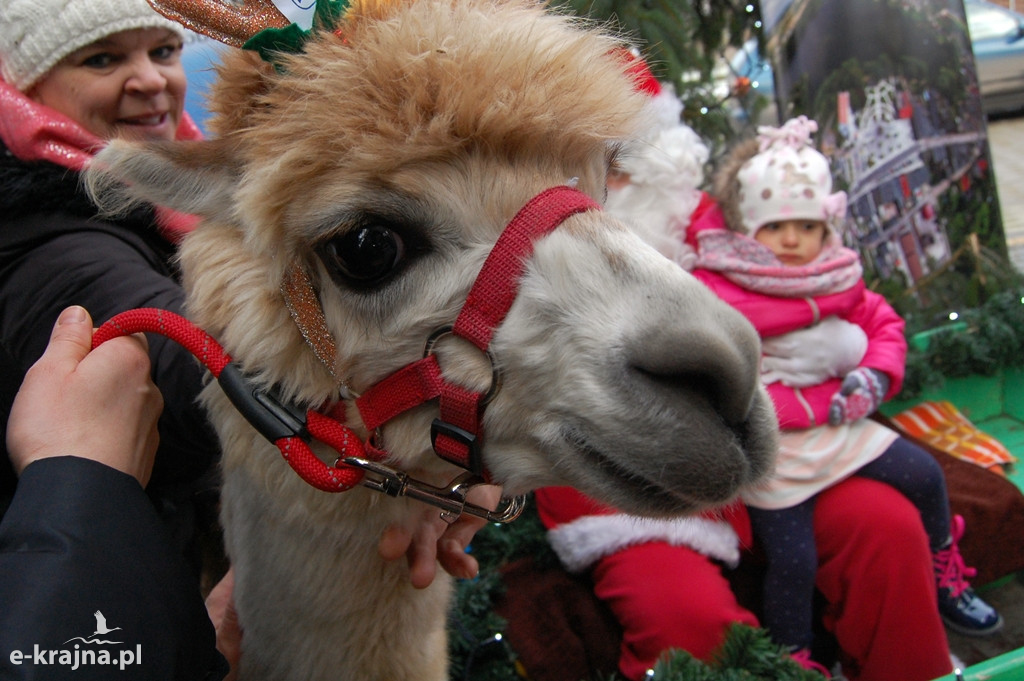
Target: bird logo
{"x": 101, "y": 630}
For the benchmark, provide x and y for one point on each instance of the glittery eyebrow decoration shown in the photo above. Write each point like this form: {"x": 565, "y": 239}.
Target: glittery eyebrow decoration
{"x": 253, "y": 24}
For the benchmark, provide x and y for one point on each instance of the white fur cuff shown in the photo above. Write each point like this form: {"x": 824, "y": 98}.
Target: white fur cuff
{"x": 586, "y": 540}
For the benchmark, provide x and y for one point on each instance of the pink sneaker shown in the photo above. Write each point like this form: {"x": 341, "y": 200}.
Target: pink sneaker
{"x": 962, "y": 610}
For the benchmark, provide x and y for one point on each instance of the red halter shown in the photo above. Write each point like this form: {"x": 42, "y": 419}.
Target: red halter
{"x": 456, "y": 436}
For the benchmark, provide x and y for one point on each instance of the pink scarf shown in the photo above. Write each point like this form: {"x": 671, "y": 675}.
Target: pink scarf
{"x": 752, "y": 265}
{"x": 34, "y": 132}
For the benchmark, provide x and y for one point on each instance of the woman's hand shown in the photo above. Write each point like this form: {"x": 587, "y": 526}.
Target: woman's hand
{"x": 99, "y": 405}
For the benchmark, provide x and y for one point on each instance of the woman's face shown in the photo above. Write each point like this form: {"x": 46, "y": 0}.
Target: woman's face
{"x": 130, "y": 85}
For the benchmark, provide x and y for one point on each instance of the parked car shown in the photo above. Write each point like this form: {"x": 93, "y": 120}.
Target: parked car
{"x": 997, "y": 39}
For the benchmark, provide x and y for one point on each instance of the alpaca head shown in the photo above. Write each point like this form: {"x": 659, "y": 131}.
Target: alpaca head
{"x": 383, "y": 162}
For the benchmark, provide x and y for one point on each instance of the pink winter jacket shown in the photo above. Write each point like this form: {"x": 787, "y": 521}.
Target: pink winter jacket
{"x": 800, "y": 408}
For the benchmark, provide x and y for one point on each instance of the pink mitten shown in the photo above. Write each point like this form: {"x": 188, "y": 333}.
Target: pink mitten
{"x": 859, "y": 395}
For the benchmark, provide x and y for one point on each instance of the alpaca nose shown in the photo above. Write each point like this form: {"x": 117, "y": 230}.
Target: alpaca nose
{"x": 716, "y": 354}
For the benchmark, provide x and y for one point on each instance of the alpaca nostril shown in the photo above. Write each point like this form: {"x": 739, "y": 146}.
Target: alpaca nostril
{"x": 719, "y": 362}
{"x": 730, "y": 398}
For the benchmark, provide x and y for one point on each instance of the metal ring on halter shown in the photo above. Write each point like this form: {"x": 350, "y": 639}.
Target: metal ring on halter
{"x": 428, "y": 349}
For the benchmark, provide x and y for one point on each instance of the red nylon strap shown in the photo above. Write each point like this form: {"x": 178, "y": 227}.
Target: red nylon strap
{"x": 488, "y": 302}
{"x": 497, "y": 285}
{"x": 459, "y": 408}
{"x": 408, "y": 387}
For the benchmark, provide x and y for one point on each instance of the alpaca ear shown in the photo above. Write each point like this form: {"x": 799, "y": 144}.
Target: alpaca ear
{"x": 189, "y": 177}
{"x": 229, "y": 23}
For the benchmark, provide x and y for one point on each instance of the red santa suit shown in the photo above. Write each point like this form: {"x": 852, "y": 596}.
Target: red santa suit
{"x": 662, "y": 578}
{"x": 874, "y": 572}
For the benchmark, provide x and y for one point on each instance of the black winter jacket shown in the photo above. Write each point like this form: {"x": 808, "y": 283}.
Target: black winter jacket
{"x": 55, "y": 252}
{"x": 82, "y": 551}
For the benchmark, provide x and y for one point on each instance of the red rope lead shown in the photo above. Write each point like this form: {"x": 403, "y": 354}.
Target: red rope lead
{"x": 293, "y": 448}
{"x": 171, "y": 325}
{"x": 314, "y": 471}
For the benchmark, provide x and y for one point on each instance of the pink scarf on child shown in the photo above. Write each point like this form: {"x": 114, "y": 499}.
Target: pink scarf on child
{"x": 34, "y": 132}
{"x": 752, "y": 265}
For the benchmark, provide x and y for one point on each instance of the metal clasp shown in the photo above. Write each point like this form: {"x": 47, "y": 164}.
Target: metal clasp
{"x": 451, "y": 499}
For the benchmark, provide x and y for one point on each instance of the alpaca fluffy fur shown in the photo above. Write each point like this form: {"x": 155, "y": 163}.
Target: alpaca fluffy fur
{"x": 621, "y": 375}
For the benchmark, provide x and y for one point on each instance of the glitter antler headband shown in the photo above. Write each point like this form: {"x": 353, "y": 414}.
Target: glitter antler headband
{"x": 253, "y": 24}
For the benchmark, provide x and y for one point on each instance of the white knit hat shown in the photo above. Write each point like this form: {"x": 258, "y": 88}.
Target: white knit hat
{"x": 36, "y": 34}
{"x": 787, "y": 179}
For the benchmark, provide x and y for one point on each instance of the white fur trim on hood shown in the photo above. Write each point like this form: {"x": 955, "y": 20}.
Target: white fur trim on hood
{"x": 582, "y": 542}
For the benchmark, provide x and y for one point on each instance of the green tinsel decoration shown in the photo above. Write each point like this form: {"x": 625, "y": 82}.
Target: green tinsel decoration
{"x": 747, "y": 654}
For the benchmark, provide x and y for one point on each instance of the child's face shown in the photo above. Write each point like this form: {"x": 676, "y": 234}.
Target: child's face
{"x": 794, "y": 242}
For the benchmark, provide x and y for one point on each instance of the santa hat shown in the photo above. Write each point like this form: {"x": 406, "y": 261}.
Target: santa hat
{"x": 787, "y": 179}
{"x": 36, "y": 34}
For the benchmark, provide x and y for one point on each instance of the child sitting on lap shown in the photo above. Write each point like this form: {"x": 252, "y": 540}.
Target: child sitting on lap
{"x": 781, "y": 263}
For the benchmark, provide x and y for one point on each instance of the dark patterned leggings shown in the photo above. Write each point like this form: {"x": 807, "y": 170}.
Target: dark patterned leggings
{"x": 787, "y": 536}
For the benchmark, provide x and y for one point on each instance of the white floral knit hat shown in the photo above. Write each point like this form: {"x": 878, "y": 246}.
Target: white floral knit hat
{"x": 36, "y": 34}
{"x": 787, "y": 179}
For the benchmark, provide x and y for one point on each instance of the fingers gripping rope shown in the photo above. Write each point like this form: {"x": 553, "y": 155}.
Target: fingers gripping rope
{"x": 274, "y": 420}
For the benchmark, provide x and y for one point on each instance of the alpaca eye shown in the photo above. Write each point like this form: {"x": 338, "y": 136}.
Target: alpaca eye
{"x": 364, "y": 255}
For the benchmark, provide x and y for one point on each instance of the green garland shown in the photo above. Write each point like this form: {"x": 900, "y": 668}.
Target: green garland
{"x": 981, "y": 340}
{"x": 747, "y": 654}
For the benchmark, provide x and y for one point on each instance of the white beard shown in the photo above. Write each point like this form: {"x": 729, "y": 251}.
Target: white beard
{"x": 659, "y": 215}
{"x": 665, "y": 171}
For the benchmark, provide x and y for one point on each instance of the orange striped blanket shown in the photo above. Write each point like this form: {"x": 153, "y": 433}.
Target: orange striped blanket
{"x": 941, "y": 425}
